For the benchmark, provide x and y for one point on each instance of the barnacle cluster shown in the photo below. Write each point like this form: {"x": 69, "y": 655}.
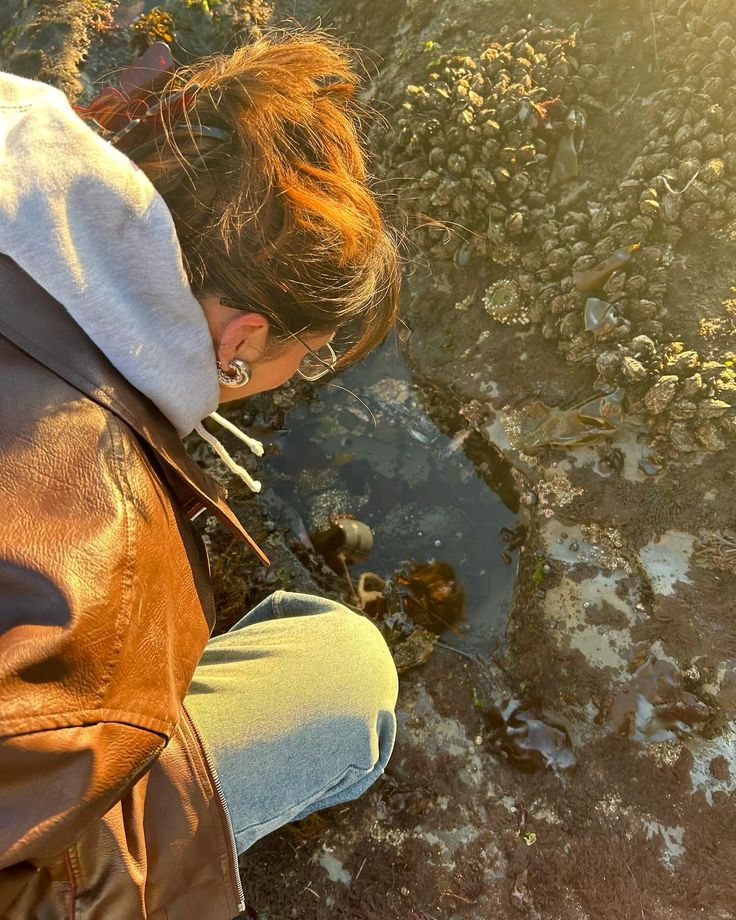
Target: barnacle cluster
{"x": 200, "y": 27}
{"x": 156, "y": 25}
{"x": 478, "y": 143}
{"x": 486, "y": 148}
{"x": 681, "y": 182}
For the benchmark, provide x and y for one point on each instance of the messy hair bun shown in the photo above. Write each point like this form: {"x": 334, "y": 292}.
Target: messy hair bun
{"x": 280, "y": 218}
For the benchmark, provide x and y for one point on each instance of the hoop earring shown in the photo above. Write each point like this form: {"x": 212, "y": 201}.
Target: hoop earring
{"x": 242, "y": 373}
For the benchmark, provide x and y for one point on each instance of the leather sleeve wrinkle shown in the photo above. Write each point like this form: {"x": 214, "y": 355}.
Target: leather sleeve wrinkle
{"x": 118, "y": 464}
{"x": 29, "y": 597}
{"x": 41, "y": 616}
{"x": 54, "y": 785}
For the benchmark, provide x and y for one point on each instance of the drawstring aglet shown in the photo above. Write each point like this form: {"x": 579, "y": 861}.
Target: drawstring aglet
{"x": 222, "y": 453}
{"x": 255, "y": 446}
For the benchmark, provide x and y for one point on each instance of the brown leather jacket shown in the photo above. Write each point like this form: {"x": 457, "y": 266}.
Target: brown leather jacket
{"x": 108, "y": 807}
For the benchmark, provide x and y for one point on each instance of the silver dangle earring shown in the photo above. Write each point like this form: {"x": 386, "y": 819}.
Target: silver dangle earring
{"x": 242, "y": 372}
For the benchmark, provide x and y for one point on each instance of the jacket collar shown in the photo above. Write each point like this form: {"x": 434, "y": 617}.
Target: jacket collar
{"x": 41, "y": 327}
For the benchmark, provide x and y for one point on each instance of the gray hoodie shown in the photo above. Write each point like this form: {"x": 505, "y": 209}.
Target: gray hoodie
{"x": 90, "y": 228}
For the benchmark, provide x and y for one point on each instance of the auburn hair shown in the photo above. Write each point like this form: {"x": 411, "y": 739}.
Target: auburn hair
{"x": 280, "y": 218}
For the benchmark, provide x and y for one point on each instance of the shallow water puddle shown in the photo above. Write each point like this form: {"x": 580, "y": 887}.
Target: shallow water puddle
{"x": 393, "y": 469}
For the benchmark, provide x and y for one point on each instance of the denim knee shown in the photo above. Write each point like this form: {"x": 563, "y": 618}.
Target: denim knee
{"x": 296, "y": 706}
{"x": 366, "y": 679}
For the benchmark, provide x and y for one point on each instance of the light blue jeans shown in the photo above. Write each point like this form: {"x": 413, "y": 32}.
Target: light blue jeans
{"x": 296, "y": 706}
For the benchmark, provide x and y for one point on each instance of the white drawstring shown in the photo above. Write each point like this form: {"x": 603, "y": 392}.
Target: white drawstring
{"x": 255, "y": 446}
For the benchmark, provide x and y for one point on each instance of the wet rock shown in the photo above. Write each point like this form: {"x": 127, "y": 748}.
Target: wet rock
{"x": 51, "y": 39}
{"x": 720, "y": 768}
{"x": 683, "y": 408}
{"x": 691, "y": 386}
{"x": 328, "y": 504}
{"x": 608, "y": 365}
{"x": 643, "y": 347}
{"x": 285, "y": 397}
{"x": 716, "y": 550}
{"x": 414, "y": 651}
{"x": 712, "y": 408}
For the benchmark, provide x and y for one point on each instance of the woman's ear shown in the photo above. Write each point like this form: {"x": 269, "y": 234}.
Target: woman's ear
{"x": 242, "y": 335}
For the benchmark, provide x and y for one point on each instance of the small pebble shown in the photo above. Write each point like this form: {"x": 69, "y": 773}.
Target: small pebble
{"x": 438, "y": 542}
{"x": 546, "y": 568}
{"x": 269, "y": 526}
{"x": 574, "y": 545}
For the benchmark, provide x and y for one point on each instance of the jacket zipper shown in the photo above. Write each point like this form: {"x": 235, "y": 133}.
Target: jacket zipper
{"x": 240, "y": 895}
{"x": 72, "y": 886}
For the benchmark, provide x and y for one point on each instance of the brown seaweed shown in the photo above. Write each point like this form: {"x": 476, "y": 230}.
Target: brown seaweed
{"x": 546, "y": 426}
{"x": 427, "y": 593}
{"x": 597, "y": 276}
{"x": 521, "y": 732}
{"x": 654, "y": 705}
{"x": 600, "y": 317}
{"x": 565, "y": 163}
{"x": 430, "y": 595}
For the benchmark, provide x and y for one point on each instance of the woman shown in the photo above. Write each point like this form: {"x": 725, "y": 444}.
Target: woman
{"x": 137, "y": 758}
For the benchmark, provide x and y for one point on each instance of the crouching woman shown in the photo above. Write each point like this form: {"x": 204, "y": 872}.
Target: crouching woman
{"x": 234, "y": 244}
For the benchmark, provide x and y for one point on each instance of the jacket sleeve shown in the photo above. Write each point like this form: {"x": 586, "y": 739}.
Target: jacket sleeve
{"x": 101, "y": 625}
{"x": 61, "y": 765}
{"x": 54, "y": 784}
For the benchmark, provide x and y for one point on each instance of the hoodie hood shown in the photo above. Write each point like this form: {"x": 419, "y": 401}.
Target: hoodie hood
{"x": 86, "y": 224}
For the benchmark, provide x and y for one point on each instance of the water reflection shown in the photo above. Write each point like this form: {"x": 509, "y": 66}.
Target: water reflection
{"x": 390, "y": 467}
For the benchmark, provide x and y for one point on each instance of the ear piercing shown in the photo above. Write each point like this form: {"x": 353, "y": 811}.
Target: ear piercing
{"x": 241, "y": 373}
